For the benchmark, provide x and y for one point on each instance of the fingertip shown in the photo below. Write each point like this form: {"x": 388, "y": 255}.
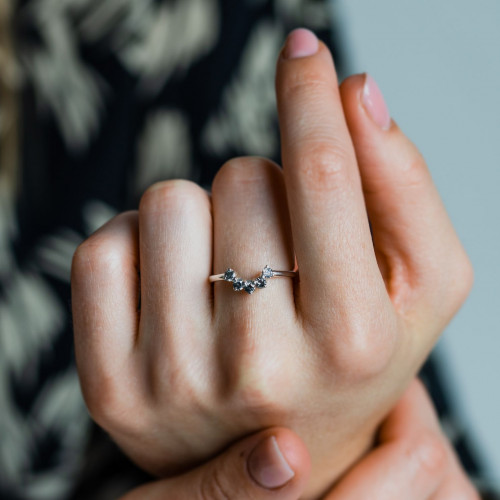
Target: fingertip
{"x": 295, "y": 452}
{"x": 302, "y": 52}
{"x": 363, "y": 99}
{"x": 374, "y": 104}
{"x": 352, "y": 86}
{"x": 279, "y": 460}
{"x": 301, "y": 42}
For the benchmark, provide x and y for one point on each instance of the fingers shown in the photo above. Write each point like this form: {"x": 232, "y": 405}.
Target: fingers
{"x": 424, "y": 266}
{"x": 176, "y": 256}
{"x": 105, "y": 298}
{"x": 273, "y": 464}
{"x": 330, "y": 229}
{"x": 413, "y": 459}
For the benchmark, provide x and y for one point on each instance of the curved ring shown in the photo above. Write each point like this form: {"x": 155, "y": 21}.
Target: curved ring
{"x": 250, "y": 286}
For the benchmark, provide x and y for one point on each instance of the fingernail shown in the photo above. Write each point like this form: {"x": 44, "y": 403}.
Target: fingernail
{"x": 375, "y": 105}
{"x": 267, "y": 465}
{"x": 300, "y": 43}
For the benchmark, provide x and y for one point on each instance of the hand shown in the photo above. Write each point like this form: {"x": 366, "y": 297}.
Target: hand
{"x": 201, "y": 366}
{"x": 413, "y": 460}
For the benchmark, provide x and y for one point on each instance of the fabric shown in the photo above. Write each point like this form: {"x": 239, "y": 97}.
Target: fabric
{"x": 116, "y": 95}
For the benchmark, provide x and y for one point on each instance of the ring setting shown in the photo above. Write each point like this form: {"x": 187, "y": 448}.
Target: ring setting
{"x": 249, "y": 286}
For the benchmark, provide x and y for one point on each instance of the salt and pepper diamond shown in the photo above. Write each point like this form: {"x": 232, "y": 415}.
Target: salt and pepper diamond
{"x": 230, "y": 275}
{"x": 260, "y": 282}
{"x": 267, "y": 272}
{"x": 249, "y": 286}
{"x": 238, "y": 284}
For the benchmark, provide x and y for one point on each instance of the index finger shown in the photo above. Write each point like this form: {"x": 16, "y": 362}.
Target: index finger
{"x": 330, "y": 228}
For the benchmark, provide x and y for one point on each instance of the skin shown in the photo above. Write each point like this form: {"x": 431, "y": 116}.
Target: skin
{"x": 412, "y": 460}
{"x": 328, "y": 355}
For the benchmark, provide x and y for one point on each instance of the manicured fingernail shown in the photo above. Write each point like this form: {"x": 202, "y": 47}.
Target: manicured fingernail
{"x": 267, "y": 465}
{"x": 375, "y": 105}
{"x": 300, "y": 43}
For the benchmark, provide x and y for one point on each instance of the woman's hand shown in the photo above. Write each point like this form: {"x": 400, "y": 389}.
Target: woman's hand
{"x": 199, "y": 365}
{"x": 413, "y": 460}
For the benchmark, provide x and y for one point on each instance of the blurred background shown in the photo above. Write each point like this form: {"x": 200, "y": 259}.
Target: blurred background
{"x": 438, "y": 65}
{"x": 105, "y": 110}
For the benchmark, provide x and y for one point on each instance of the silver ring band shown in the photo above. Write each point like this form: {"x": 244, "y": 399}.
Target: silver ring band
{"x": 249, "y": 286}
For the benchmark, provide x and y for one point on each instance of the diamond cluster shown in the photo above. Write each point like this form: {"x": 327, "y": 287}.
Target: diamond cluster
{"x": 249, "y": 286}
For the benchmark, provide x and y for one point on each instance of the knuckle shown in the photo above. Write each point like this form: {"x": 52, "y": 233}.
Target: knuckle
{"x": 257, "y": 389}
{"x": 364, "y": 351}
{"x": 451, "y": 280}
{"x": 430, "y": 453}
{"x": 256, "y": 400}
{"x": 81, "y": 261}
{"x": 215, "y": 486}
{"x": 241, "y": 323}
{"x": 95, "y": 256}
{"x": 463, "y": 274}
{"x": 100, "y": 253}
{"x": 361, "y": 361}
{"x": 170, "y": 384}
{"x": 416, "y": 174}
{"x": 246, "y": 170}
{"x": 174, "y": 384}
{"x": 310, "y": 84}
{"x": 111, "y": 407}
{"x": 169, "y": 195}
{"x": 254, "y": 378}
{"x": 323, "y": 165}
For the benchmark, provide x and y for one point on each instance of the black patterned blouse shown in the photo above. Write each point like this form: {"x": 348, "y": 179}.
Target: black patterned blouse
{"x": 113, "y": 96}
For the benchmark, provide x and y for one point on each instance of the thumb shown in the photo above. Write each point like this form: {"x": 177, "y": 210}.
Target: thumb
{"x": 273, "y": 464}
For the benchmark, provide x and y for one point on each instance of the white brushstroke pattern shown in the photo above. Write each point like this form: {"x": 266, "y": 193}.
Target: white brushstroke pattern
{"x": 55, "y": 253}
{"x": 246, "y": 119}
{"x": 164, "y": 149}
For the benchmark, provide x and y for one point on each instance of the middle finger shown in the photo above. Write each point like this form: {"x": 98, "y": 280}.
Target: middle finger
{"x": 330, "y": 228}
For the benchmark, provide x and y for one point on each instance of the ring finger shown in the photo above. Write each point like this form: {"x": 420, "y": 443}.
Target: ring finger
{"x": 251, "y": 230}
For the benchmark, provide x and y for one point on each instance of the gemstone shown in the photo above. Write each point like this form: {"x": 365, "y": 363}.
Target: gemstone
{"x": 238, "y": 285}
{"x": 229, "y": 275}
{"x": 249, "y": 287}
{"x": 267, "y": 272}
{"x": 260, "y": 282}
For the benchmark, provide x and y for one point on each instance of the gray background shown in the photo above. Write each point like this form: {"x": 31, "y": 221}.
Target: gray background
{"x": 438, "y": 65}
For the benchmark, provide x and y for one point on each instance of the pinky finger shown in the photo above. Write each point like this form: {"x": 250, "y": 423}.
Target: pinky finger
{"x": 105, "y": 298}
